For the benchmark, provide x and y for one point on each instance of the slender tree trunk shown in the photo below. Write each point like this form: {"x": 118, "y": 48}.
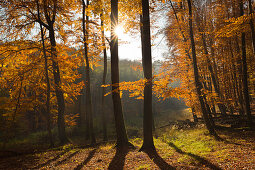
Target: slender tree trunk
{"x": 105, "y": 138}
{"x": 245, "y": 75}
{"x": 55, "y": 68}
{"x": 196, "y": 74}
{"x": 87, "y": 73}
{"x": 252, "y": 26}
{"x": 122, "y": 140}
{"x": 58, "y": 90}
{"x": 148, "y": 143}
{"x": 222, "y": 107}
{"x": 47, "y": 114}
{"x": 239, "y": 77}
{"x": 194, "y": 114}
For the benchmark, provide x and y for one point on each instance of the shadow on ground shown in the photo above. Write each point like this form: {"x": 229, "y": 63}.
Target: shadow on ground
{"x": 67, "y": 158}
{"x": 201, "y": 160}
{"x": 118, "y": 160}
{"x": 90, "y": 156}
{"x": 160, "y": 162}
{"x": 51, "y": 160}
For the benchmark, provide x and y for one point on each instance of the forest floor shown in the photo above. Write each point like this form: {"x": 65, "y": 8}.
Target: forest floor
{"x": 176, "y": 149}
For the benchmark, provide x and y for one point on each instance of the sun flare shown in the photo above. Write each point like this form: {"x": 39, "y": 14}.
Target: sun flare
{"x": 119, "y": 31}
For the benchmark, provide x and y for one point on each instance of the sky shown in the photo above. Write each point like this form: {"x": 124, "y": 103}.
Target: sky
{"x": 130, "y": 45}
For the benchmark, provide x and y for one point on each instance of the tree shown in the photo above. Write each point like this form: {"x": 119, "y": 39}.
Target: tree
{"x": 122, "y": 140}
{"x": 196, "y": 75}
{"x": 51, "y": 8}
{"x": 245, "y": 74}
{"x": 103, "y": 83}
{"x": 148, "y": 143}
{"x": 47, "y": 112}
{"x": 252, "y": 25}
{"x": 24, "y": 13}
{"x": 89, "y": 112}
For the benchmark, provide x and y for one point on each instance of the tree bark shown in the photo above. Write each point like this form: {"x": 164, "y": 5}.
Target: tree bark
{"x": 47, "y": 114}
{"x": 245, "y": 74}
{"x": 105, "y": 138}
{"x": 122, "y": 140}
{"x": 87, "y": 73}
{"x": 148, "y": 143}
{"x": 56, "y": 73}
{"x": 58, "y": 90}
{"x": 252, "y": 26}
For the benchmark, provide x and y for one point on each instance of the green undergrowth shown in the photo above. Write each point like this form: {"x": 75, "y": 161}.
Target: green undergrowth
{"x": 32, "y": 141}
{"x": 196, "y": 141}
{"x": 191, "y": 144}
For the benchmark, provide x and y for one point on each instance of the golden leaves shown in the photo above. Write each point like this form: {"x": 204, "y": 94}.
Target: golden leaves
{"x": 235, "y": 26}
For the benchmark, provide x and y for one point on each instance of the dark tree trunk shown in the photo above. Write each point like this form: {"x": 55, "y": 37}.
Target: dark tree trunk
{"x": 148, "y": 143}
{"x": 58, "y": 90}
{"x": 47, "y": 111}
{"x": 196, "y": 75}
{"x": 252, "y": 26}
{"x": 87, "y": 73}
{"x": 55, "y": 68}
{"x": 239, "y": 81}
{"x": 245, "y": 75}
{"x": 122, "y": 140}
{"x": 105, "y": 138}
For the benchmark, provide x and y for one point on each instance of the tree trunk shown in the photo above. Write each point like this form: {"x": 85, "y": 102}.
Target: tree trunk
{"x": 252, "y": 26}
{"x": 55, "y": 68}
{"x": 122, "y": 140}
{"x": 87, "y": 73}
{"x": 194, "y": 115}
{"x": 58, "y": 90}
{"x": 221, "y": 106}
{"x": 148, "y": 143}
{"x": 196, "y": 75}
{"x": 103, "y": 83}
{"x": 245, "y": 75}
{"x": 47, "y": 114}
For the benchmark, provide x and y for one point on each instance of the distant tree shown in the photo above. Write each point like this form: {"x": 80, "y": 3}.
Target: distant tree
{"x": 90, "y": 128}
{"x": 103, "y": 83}
{"x": 196, "y": 75}
{"x": 245, "y": 73}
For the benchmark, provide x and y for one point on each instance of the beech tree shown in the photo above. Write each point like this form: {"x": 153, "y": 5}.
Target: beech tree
{"x": 90, "y": 128}
{"x": 122, "y": 140}
{"x": 147, "y": 69}
{"x": 25, "y": 15}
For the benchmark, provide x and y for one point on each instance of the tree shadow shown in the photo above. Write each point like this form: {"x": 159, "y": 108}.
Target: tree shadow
{"x": 119, "y": 159}
{"x": 67, "y": 158}
{"x": 237, "y": 134}
{"x": 160, "y": 162}
{"x": 198, "y": 158}
{"x": 90, "y": 156}
{"x": 51, "y": 160}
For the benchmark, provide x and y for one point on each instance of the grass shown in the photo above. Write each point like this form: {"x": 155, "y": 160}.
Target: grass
{"x": 186, "y": 148}
{"x": 191, "y": 144}
{"x": 141, "y": 167}
{"x": 196, "y": 141}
